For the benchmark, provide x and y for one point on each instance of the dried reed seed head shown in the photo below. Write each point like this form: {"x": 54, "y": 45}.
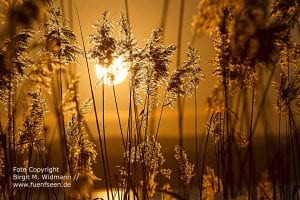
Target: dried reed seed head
{"x": 60, "y": 40}
{"x": 82, "y": 153}
{"x": 70, "y": 99}
{"x": 186, "y": 168}
{"x": 134, "y": 55}
{"x": 286, "y": 12}
{"x": 239, "y": 49}
{"x": 149, "y": 154}
{"x": 104, "y": 43}
{"x": 185, "y": 79}
{"x": 215, "y": 100}
{"x": 14, "y": 53}
{"x": 210, "y": 13}
{"x": 216, "y": 124}
{"x": 166, "y": 173}
{"x": 158, "y": 56}
{"x": 86, "y": 106}
{"x": 4, "y": 86}
{"x": 125, "y": 28}
{"x": 33, "y": 127}
{"x": 212, "y": 185}
{"x": 127, "y": 44}
{"x": 236, "y": 72}
{"x": 152, "y": 70}
{"x": 289, "y": 53}
{"x": 258, "y": 41}
{"x": 125, "y": 175}
{"x": 148, "y": 67}
{"x": 288, "y": 91}
{"x": 288, "y": 86}
{"x": 41, "y": 75}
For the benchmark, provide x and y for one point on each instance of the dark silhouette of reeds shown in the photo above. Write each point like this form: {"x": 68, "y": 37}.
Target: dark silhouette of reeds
{"x": 256, "y": 68}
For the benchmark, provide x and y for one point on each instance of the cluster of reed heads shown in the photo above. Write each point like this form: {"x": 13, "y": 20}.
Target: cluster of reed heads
{"x": 256, "y": 58}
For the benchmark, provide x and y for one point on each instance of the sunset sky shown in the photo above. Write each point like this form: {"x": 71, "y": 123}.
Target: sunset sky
{"x": 144, "y": 17}
{"x": 96, "y": 90}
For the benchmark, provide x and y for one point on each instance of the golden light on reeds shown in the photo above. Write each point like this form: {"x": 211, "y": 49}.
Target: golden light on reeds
{"x": 118, "y": 144}
{"x": 114, "y": 74}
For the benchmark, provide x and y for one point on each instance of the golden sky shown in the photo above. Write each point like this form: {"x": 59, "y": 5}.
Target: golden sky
{"x": 144, "y": 15}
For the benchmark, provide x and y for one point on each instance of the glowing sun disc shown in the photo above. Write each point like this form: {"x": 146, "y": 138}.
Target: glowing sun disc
{"x": 115, "y": 74}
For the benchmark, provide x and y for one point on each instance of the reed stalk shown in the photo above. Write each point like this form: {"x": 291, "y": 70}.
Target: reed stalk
{"x": 251, "y": 167}
{"x": 178, "y": 60}
{"x": 94, "y": 107}
{"x": 196, "y": 140}
{"x": 119, "y": 119}
{"x": 104, "y": 141}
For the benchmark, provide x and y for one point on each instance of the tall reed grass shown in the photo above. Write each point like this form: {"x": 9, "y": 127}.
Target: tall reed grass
{"x": 256, "y": 65}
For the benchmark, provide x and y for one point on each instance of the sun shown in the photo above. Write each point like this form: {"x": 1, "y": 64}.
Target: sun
{"x": 114, "y": 74}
